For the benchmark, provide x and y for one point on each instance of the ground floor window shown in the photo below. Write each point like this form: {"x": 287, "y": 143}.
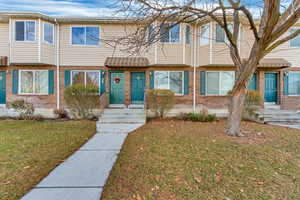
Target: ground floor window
{"x": 86, "y": 78}
{"x": 219, "y": 83}
{"x": 33, "y": 82}
{"x": 172, "y": 80}
{"x": 294, "y": 83}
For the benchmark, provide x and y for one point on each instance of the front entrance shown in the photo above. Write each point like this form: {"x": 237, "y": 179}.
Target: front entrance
{"x": 117, "y": 84}
{"x": 2, "y": 87}
{"x": 137, "y": 87}
{"x": 271, "y": 87}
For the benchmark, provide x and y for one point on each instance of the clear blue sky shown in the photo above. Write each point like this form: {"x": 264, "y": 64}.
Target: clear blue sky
{"x": 90, "y": 8}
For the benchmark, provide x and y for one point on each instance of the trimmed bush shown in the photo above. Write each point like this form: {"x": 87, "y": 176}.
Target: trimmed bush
{"x": 160, "y": 101}
{"x": 252, "y": 101}
{"x": 25, "y": 109}
{"x": 61, "y": 113}
{"x": 200, "y": 117}
{"x": 82, "y": 100}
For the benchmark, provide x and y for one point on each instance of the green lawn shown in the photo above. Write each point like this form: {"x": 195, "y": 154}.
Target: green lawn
{"x": 29, "y": 150}
{"x": 195, "y": 161}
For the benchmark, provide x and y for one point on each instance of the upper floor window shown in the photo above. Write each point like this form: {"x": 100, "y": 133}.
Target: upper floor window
{"x": 204, "y": 35}
{"x": 294, "y": 83}
{"x": 33, "y": 82}
{"x": 220, "y": 33}
{"x": 48, "y": 32}
{"x": 219, "y": 82}
{"x": 188, "y": 34}
{"x": 170, "y": 33}
{"x": 171, "y": 80}
{"x": 151, "y": 33}
{"x": 25, "y": 30}
{"x": 86, "y": 35}
{"x": 295, "y": 42}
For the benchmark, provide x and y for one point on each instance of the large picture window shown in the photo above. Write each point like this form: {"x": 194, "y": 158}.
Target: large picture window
{"x": 86, "y": 35}
{"x": 172, "y": 80}
{"x": 25, "y": 30}
{"x": 204, "y": 34}
{"x": 48, "y": 33}
{"x": 170, "y": 33}
{"x": 86, "y": 78}
{"x": 33, "y": 82}
{"x": 294, "y": 83}
{"x": 219, "y": 83}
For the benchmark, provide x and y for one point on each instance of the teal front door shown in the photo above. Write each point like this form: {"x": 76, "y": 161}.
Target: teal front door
{"x": 137, "y": 87}
{"x": 271, "y": 87}
{"x": 2, "y": 87}
{"x": 117, "y": 83}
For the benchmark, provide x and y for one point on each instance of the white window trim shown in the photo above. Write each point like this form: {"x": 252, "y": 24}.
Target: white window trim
{"x": 200, "y": 38}
{"x": 220, "y": 72}
{"x": 293, "y": 95}
{"x": 33, "y": 93}
{"x": 85, "y": 71}
{"x": 170, "y": 38}
{"x": 190, "y": 35}
{"x": 84, "y": 26}
{"x": 289, "y": 43}
{"x": 25, "y": 39}
{"x": 53, "y": 31}
{"x": 182, "y": 75}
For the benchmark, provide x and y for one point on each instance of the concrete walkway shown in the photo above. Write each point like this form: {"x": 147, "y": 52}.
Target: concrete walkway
{"x": 83, "y": 175}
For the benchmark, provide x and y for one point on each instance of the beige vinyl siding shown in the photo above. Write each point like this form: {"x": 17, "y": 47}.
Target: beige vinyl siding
{"x": 202, "y": 55}
{"x": 4, "y": 39}
{"x": 72, "y": 55}
{"x": 220, "y": 51}
{"x": 48, "y": 54}
{"x": 25, "y": 52}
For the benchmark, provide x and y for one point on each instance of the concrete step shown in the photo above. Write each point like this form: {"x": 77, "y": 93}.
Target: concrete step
{"x": 117, "y": 128}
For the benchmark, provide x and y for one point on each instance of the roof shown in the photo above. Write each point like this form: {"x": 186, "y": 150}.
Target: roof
{"x": 264, "y": 63}
{"x": 126, "y": 62}
{"x": 3, "y": 61}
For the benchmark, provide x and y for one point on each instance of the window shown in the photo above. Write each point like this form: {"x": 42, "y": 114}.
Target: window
{"x": 172, "y": 80}
{"x": 219, "y": 83}
{"x": 151, "y": 33}
{"x": 188, "y": 34}
{"x": 294, "y": 83}
{"x": 295, "y": 42}
{"x": 169, "y": 33}
{"x": 204, "y": 35}
{"x": 33, "y": 82}
{"x": 25, "y": 30}
{"x": 48, "y": 32}
{"x": 89, "y": 35}
{"x": 86, "y": 78}
{"x": 220, "y": 33}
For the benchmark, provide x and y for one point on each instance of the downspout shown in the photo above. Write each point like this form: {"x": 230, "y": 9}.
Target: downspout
{"x": 194, "y": 65}
{"x": 57, "y": 66}
{"x": 10, "y": 40}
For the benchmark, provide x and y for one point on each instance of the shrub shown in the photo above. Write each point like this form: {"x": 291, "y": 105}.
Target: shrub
{"x": 252, "y": 101}
{"x": 82, "y": 100}
{"x": 160, "y": 101}
{"x": 25, "y": 109}
{"x": 200, "y": 117}
{"x": 61, "y": 113}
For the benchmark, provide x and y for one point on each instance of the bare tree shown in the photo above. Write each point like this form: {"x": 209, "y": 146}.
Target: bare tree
{"x": 269, "y": 21}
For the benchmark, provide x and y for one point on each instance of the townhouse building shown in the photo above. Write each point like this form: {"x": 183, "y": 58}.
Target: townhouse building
{"x": 41, "y": 55}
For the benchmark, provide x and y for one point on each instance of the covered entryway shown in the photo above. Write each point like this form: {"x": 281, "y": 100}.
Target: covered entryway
{"x": 271, "y": 87}
{"x": 117, "y": 85}
{"x": 138, "y": 83}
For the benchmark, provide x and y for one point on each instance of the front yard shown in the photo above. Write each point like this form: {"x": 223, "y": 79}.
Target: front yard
{"x": 29, "y": 150}
{"x": 185, "y": 160}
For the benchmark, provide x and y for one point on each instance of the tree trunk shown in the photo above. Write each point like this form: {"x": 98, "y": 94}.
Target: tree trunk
{"x": 236, "y": 108}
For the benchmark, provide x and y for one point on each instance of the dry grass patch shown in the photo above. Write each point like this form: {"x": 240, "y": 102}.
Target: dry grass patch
{"x": 29, "y": 150}
{"x": 186, "y": 160}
